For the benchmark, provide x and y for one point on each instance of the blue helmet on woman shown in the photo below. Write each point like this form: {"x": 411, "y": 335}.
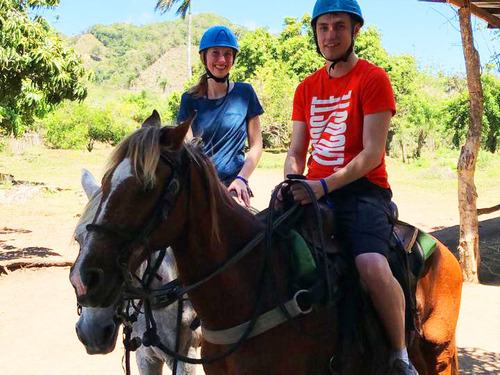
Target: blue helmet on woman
{"x": 218, "y": 36}
{"x": 337, "y": 6}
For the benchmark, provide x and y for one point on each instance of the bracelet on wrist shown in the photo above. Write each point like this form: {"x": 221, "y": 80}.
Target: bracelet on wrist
{"x": 242, "y": 179}
{"x": 325, "y": 186}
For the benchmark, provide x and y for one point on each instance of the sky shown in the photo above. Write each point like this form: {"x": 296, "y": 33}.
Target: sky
{"x": 429, "y": 31}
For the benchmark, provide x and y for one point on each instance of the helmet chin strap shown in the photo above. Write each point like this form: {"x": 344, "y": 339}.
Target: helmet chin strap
{"x": 219, "y": 80}
{"x": 342, "y": 58}
{"x": 216, "y": 79}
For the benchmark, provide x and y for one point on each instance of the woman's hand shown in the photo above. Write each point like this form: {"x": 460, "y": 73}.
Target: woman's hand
{"x": 242, "y": 197}
{"x": 301, "y": 195}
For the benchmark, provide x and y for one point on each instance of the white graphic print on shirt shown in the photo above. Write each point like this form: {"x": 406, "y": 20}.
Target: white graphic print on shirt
{"x": 328, "y": 127}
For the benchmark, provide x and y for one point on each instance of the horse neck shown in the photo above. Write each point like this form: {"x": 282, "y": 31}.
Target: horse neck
{"x": 199, "y": 252}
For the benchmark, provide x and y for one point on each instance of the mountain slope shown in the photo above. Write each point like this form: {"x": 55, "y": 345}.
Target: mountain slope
{"x": 148, "y": 56}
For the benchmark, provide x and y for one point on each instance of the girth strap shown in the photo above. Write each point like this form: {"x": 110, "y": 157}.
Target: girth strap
{"x": 264, "y": 323}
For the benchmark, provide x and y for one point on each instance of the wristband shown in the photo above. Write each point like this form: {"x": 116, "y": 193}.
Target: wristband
{"x": 242, "y": 179}
{"x": 329, "y": 202}
{"x": 325, "y": 187}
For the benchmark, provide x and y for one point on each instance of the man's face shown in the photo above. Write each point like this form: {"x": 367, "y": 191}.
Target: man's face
{"x": 334, "y": 32}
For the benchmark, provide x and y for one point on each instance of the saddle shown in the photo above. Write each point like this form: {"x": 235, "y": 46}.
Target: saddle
{"x": 409, "y": 249}
{"x": 407, "y": 240}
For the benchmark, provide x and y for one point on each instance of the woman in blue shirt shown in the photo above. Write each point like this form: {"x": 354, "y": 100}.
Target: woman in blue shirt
{"x": 228, "y": 114}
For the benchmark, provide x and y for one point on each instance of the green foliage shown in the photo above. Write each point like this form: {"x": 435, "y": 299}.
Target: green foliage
{"x": 275, "y": 88}
{"x": 36, "y": 70}
{"x": 432, "y": 109}
{"x": 274, "y": 65}
{"x": 457, "y": 114}
{"x": 491, "y": 118}
{"x": 131, "y": 49}
{"x": 79, "y": 125}
{"x": 296, "y": 46}
{"x": 257, "y": 48}
{"x": 165, "y": 5}
{"x": 369, "y": 47}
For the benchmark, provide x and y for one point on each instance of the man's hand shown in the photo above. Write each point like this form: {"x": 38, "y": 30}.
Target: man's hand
{"x": 301, "y": 195}
{"x": 240, "y": 194}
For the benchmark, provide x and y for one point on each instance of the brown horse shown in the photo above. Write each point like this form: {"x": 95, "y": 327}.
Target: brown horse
{"x": 157, "y": 182}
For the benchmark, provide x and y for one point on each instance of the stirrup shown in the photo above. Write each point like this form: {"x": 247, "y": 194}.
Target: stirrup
{"x": 331, "y": 365}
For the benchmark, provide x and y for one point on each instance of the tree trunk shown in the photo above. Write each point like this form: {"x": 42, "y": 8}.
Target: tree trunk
{"x": 189, "y": 73}
{"x": 468, "y": 246}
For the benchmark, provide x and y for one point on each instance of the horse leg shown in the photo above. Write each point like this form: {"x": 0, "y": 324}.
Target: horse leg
{"x": 438, "y": 303}
{"x": 148, "y": 365}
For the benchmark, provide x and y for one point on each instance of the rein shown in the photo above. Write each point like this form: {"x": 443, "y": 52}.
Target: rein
{"x": 173, "y": 291}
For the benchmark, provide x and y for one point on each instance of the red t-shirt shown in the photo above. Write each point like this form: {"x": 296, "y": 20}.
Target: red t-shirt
{"x": 334, "y": 109}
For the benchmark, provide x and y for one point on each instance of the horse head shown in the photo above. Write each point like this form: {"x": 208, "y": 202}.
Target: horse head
{"x": 132, "y": 214}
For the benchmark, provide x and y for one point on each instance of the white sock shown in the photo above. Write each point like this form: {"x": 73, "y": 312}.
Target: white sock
{"x": 400, "y": 354}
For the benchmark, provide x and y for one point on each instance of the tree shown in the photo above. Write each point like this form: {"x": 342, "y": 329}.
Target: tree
{"x": 37, "y": 71}
{"x": 257, "y": 49}
{"x": 184, "y": 7}
{"x": 468, "y": 245}
{"x": 457, "y": 110}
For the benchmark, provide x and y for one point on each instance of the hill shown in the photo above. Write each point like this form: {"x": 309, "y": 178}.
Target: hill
{"x": 151, "y": 56}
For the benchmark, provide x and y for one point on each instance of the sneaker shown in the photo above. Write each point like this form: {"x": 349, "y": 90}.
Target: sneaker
{"x": 399, "y": 367}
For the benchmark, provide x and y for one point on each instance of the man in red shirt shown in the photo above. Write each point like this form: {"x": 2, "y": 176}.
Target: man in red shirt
{"x": 342, "y": 112}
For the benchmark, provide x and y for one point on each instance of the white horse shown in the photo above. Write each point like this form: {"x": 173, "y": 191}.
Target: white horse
{"x": 97, "y": 328}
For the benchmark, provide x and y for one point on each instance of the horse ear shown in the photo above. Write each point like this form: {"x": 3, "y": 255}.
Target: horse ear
{"x": 153, "y": 120}
{"x": 174, "y": 137}
{"x": 89, "y": 183}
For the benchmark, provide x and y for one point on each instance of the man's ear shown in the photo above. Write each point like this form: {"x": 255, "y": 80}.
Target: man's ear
{"x": 173, "y": 138}
{"x": 357, "y": 28}
{"x": 153, "y": 120}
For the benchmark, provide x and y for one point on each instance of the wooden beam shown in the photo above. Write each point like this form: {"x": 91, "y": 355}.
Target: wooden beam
{"x": 479, "y": 12}
{"x": 491, "y": 18}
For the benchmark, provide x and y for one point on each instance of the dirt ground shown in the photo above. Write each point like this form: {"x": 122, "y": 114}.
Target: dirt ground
{"x": 38, "y": 305}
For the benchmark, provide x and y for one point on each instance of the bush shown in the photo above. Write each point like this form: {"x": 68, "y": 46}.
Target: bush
{"x": 108, "y": 121}
{"x": 275, "y": 89}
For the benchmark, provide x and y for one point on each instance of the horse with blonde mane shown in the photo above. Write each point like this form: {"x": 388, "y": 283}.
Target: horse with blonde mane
{"x": 165, "y": 192}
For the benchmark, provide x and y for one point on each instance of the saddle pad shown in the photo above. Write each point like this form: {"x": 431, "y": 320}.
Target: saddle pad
{"x": 301, "y": 259}
{"x": 427, "y": 243}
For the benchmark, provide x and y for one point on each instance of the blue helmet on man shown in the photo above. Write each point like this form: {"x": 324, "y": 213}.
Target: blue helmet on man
{"x": 337, "y": 6}
{"x": 218, "y": 36}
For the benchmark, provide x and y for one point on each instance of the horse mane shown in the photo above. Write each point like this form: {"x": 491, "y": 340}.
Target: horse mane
{"x": 212, "y": 185}
{"x": 144, "y": 150}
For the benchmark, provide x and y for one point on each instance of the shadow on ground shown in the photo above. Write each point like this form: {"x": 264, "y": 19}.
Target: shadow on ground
{"x": 475, "y": 361}
{"x": 489, "y": 244}
{"x": 6, "y": 230}
{"x": 27, "y": 252}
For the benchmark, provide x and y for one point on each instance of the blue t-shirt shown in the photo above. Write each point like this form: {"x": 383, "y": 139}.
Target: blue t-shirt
{"x": 223, "y": 127}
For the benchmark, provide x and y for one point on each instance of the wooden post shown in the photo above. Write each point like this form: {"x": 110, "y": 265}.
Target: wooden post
{"x": 468, "y": 245}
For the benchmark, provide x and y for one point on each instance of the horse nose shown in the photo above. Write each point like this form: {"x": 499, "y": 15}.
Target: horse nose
{"x": 93, "y": 279}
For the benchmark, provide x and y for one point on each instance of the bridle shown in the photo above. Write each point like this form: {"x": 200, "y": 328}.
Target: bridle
{"x": 163, "y": 207}
{"x": 174, "y": 291}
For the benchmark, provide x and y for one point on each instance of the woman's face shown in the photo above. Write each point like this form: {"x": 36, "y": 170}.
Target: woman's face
{"x": 219, "y": 60}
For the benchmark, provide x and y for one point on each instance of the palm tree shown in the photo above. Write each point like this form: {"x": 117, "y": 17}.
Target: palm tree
{"x": 184, "y": 8}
